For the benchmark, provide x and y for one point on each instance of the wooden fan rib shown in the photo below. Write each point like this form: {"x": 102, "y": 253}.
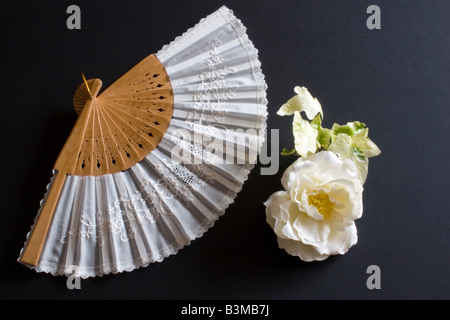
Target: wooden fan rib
{"x": 94, "y": 145}
{"x": 157, "y": 82}
{"x": 112, "y": 156}
{"x": 33, "y": 249}
{"x": 101, "y": 166}
{"x": 145, "y": 94}
{"x": 132, "y": 156}
{"x": 146, "y": 119}
{"x": 153, "y": 104}
{"x": 70, "y": 154}
{"x": 115, "y": 157}
{"x": 145, "y": 110}
{"x": 136, "y": 126}
{"x": 146, "y": 134}
{"x": 86, "y": 150}
{"x": 149, "y": 65}
{"x": 158, "y": 85}
{"x": 138, "y": 85}
{"x": 128, "y": 80}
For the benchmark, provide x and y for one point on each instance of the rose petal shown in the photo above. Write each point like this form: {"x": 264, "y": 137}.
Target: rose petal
{"x": 340, "y": 242}
{"x": 273, "y": 206}
{"x": 284, "y": 228}
{"x": 338, "y": 222}
{"x": 325, "y": 160}
{"x": 289, "y": 178}
{"x": 304, "y": 252}
{"x": 280, "y": 215}
{"x": 298, "y": 170}
{"x": 350, "y": 203}
{"x": 311, "y": 231}
{"x": 304, "y": 167}
{"x": 352, "y": 239}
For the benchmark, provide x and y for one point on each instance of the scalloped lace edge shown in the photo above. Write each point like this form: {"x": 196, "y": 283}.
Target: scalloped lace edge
{"x": 172, "y": 249}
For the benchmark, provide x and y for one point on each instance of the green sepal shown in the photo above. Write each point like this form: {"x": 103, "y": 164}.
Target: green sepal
{"x": 286, "y": 152}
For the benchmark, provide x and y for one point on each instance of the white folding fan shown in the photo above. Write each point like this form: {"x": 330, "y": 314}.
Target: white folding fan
{"x": 156, "y": 158}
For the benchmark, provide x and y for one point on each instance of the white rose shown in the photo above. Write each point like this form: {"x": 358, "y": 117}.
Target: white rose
{"x": 314, "y": 217}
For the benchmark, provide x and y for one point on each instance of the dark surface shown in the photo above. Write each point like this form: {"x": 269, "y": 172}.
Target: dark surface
{"x": 396, "y": 80}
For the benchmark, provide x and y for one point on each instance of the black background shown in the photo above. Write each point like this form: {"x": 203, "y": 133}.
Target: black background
{"x": 396, "y": 80}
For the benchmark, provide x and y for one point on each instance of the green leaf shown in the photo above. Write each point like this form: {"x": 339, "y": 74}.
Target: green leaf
{"x": 357, "y": 125}
{"x": 357, "y": 152}
{"x": 323, "y": 134}
{"x": 350, "y": 129}
{"x": 287, "y": 152}
{"x": 316, "y": 123}
{"x": 345, "y": 130}
{"x": 324, "y": 137}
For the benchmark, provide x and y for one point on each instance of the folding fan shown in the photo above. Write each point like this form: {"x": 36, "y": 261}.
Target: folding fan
{"x": 140, "y": 175}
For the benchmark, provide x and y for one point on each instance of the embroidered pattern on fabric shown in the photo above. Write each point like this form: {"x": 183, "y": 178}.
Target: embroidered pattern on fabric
{"x": 201, "y": 171}
{"x": 198, "y": 154}
{"x": 214, "y": 90}
{"x": 185, "y": 175}
{"x": 126, "y": 214}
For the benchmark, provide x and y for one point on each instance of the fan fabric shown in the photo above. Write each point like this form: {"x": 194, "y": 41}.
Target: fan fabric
{"x": 126, "y": 220}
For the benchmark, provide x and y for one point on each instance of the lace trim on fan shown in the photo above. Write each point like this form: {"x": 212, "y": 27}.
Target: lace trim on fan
{"x": 241, "y": 177}
{"x": 180, "y": 40}
{"x": 141, "y": 262}
{"x": 258, "y": 75}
